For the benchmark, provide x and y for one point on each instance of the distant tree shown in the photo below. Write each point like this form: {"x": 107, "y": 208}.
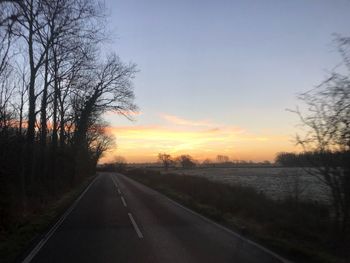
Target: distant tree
{"x": 222, "y": 158}
{"x": 287, "y": 159}
{"x": 119, "y": 163}
{"x": 207, "y": 162}
{"x": 186, "y": 161}
{"x": 165, "y": 159}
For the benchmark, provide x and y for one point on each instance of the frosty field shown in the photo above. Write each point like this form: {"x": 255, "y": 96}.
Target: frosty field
{"x": 275, "y": 182}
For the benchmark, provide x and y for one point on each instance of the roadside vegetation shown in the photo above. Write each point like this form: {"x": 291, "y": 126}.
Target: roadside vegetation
{"x": 23, "y": 235}
{"x": 296, "y": 229}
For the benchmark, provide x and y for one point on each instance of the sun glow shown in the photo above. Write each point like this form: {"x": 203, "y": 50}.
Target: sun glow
{"x": 201, "y": 139}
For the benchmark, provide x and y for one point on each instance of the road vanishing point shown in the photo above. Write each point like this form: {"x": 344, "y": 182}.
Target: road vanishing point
{"x": 119, "y": 220}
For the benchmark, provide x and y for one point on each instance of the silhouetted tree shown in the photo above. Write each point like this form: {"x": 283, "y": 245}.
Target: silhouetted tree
{"x": 288, "y": 159}
{"x": 222, "y": 158}
{"x": 54, "y": 89}
{"x": 207, "y": 162}
{"x": 107, "y": 87}
{"x": 186, "y": 161}
{"x": 98, "y": 141}
{"x": 165, "y": 159}
{"x": 327, "y": 134}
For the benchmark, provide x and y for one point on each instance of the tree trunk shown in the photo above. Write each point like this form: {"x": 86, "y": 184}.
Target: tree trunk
{"x": 31, "y": 103}
{"x": 43, "y": 119}
{"x": 43, "y": 124}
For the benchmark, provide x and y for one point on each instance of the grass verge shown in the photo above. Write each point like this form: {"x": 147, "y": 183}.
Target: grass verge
{"x": 21, "y": 236}
{"x": 297, "y": 230}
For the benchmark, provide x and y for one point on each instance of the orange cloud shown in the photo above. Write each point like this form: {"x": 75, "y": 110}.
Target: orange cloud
{"x": 185, "y": 122}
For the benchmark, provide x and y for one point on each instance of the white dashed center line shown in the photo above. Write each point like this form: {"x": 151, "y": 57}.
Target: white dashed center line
{"x": 123, "y": 200}
{"x": 114, "y": 182}
{"x": 138, "y": 232}
{"x": 137, "y": 229}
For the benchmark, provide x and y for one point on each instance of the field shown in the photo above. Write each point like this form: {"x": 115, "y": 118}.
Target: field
{"x": 275, "y": 182}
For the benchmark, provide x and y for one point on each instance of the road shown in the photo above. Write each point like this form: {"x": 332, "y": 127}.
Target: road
{"x": 119, "y": 220}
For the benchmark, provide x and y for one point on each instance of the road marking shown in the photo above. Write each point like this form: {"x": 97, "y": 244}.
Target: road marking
{"x": 116, "y": 185}
{"x": 43, "y": 241}
{"x": 138, "y": 232}
{"x": 123, "y": 200}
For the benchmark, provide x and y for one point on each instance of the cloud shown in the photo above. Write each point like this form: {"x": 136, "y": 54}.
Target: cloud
{"x": 173, "y": 119}
{"x": 199, "y": 125}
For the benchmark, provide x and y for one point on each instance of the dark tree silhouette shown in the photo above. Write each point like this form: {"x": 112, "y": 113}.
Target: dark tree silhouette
{"x": 327, "y": 135}
{"x": 54, "y": 88}
{"x": 222, "y": 158}
{"x": 186, "y": 161}
{"x": 165, "y": 159}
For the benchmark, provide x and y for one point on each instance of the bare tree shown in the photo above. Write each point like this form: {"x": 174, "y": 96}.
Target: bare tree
{"x": 186, "y": 161}
{"x": 21, "y": 89}
{"x": 8, "y": 18}
{"x": 99, "y": 141}
{"x": 222, "y": 158}
{"x": 207, "y": 162}
{"x": 6, "y": 92}
{"x": 165, "y": 159}
{"x": 53, "y": 91}
{"x": 327, "y": 135}
{"x": 106, "y": 87}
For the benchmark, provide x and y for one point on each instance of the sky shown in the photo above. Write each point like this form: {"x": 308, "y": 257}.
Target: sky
{"x": 216, "y": 77}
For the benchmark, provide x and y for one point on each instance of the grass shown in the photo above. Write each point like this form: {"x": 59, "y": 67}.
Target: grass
{"x": 22, "y": 235}
{"x": 297, "y": 230}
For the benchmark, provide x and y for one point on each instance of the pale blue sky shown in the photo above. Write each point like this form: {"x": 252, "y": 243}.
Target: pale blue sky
{"x": 238, "y": 63}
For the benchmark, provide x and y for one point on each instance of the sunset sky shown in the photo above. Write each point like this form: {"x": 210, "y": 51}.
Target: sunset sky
{"x": 216, "y": 77}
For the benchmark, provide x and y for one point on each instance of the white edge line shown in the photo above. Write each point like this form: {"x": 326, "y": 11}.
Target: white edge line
{"x": 138, "y": 232}
{"x": 47, "y": 236}
{"x": 218, "y": 225}
{"x": 123, "y": 200}
{"x": 234, "y": 233}
{"x": 119, "y": 192}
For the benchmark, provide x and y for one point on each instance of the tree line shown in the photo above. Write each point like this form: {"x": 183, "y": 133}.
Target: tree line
{"x": 184, "y": 160}
{"x": 55, "y": 86}
{"x": 308, "y": 158}
{"x": 187, "y": 161}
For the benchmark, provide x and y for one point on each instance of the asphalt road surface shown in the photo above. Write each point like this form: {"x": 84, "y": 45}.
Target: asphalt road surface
{"x": 119, "y": 220}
